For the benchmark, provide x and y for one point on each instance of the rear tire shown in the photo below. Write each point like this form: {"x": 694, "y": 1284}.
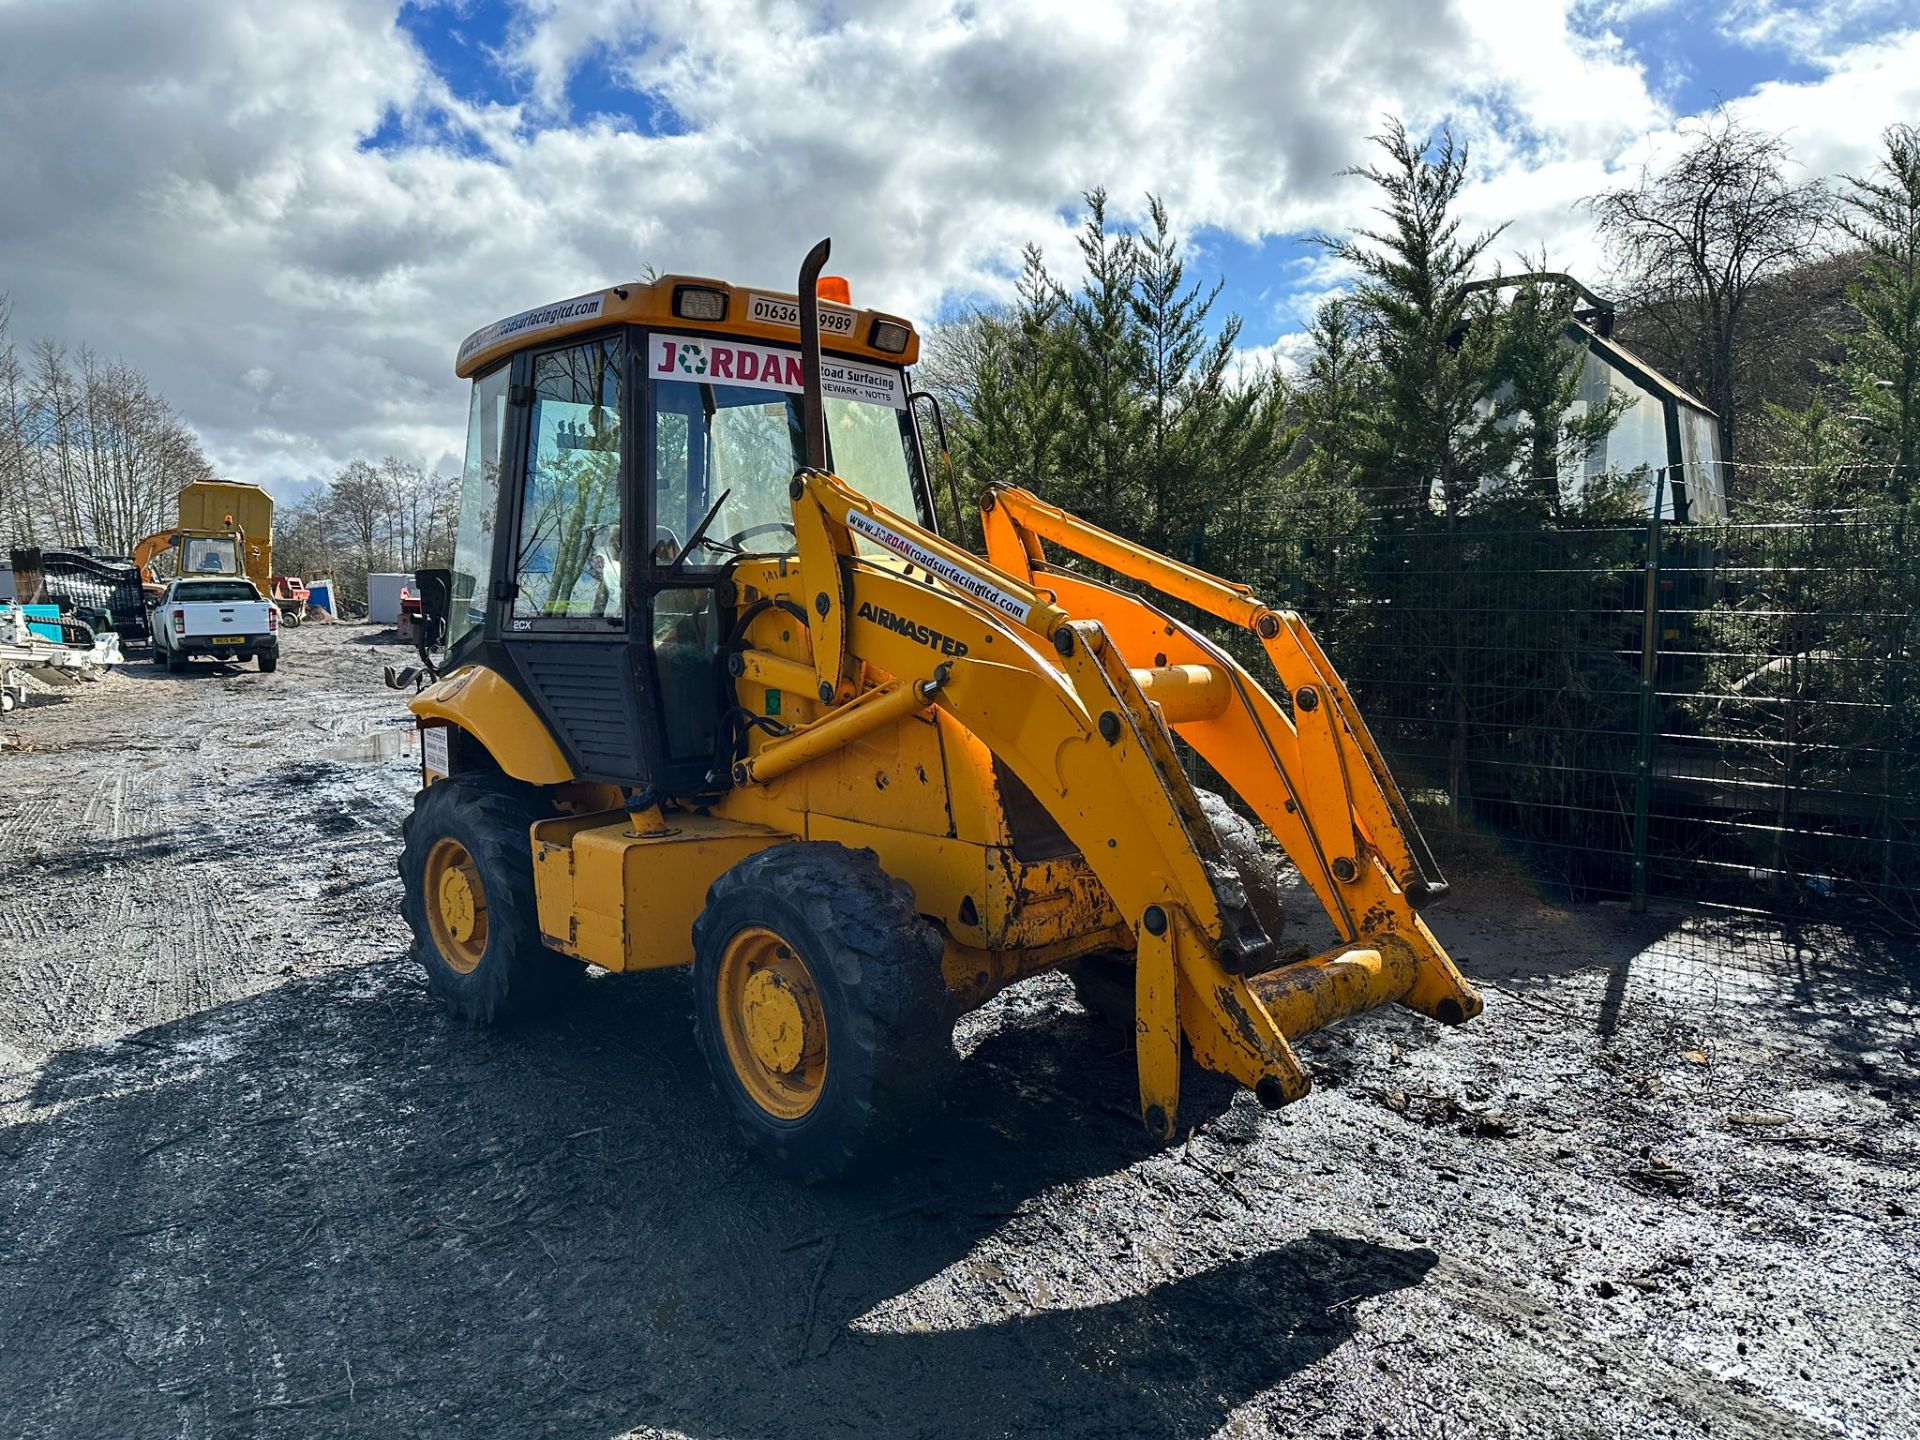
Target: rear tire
{"x": 860, "y": 1046}
{"x": 466, "y": 873}
{"x": 175, "y": 661}
{"x": 269, "y": 663}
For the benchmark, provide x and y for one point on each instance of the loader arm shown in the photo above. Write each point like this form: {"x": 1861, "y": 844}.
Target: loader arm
{"x": 1315, "y": 777}
{"x": 1055, "y": 678}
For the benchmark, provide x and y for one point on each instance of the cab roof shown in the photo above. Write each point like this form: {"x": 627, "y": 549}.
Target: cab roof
{"x": 679, "y": 302}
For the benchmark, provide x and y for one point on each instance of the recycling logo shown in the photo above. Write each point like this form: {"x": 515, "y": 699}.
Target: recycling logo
{"x": 693, "y": 359}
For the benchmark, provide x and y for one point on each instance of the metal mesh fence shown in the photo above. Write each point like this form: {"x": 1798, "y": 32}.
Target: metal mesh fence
{"x": 1637, "y": 708}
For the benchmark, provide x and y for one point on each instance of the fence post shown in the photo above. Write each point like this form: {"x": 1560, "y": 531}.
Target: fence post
{"x": 1649, "y": 663}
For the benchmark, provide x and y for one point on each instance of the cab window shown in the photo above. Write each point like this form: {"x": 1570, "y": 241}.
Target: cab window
{"x": 870, "y": 452}
{"x": 729, "y": 445}
{"x": 479, "y": 503}
{"x": 732, "y": 450}
{"x": 568, "y": 562}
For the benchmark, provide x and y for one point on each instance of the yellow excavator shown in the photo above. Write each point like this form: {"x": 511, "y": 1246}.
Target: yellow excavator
{"x": 225, "y": 528}
{"x": 716, "y": 693}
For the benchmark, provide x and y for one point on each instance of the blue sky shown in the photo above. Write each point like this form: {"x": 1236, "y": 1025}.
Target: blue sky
{"x": 289, "y": 211}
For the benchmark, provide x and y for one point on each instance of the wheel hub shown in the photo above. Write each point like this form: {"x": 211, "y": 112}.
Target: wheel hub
{"x": 776, "y": 1027}
{"x": 456, "y": 904}
{"x": 772, "y": 1022}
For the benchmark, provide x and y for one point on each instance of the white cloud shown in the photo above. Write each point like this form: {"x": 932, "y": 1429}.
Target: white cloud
{"x": 198, "y": 196}
{"x": 1806, "y": 27}
{"x": 1289, "y": 355}
{"x": 1834, "y": 124}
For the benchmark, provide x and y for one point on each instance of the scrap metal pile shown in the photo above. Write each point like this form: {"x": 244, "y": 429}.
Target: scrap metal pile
{"x": 27, "y": 652}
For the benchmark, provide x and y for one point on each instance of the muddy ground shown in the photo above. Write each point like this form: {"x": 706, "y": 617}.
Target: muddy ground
{"x": 253, "y": 1183}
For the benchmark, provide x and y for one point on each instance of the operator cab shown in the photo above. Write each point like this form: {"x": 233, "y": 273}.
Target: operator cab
{"x": 624, "y": 450}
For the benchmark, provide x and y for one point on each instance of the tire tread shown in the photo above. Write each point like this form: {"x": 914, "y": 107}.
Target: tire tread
{"x": 530, "y": 978}
{"x": 885, "y": 957}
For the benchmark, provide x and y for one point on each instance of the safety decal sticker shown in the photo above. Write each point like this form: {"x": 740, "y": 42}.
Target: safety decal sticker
{"x": 433, "y": 750}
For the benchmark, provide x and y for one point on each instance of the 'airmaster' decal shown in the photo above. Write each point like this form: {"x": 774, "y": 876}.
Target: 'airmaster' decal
{"x": 912, "y": 629}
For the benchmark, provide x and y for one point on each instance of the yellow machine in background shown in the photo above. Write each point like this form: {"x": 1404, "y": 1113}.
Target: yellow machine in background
{"x": 717, "y": 694}
{"x": 224, "y": 527}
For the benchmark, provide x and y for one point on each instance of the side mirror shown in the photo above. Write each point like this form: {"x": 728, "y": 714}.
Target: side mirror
{"x": 435, "y": 588}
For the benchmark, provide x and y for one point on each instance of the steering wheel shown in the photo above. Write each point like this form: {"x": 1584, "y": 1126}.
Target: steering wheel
{"x": 753, "y": 530}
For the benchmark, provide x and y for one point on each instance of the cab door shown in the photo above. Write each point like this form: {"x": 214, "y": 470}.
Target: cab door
{"x": 686, "y": 578}
{"x": 568, "y": 598}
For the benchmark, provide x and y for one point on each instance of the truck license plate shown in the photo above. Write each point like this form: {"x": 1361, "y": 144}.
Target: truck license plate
{"x": 229, "y": 639}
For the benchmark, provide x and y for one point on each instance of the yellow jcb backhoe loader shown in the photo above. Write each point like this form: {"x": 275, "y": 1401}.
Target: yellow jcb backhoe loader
{"x": 717, "y": 694}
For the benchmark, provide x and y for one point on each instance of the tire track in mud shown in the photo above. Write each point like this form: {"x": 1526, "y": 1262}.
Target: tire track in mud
{"x": 312, "y": 1206}
{"x": 164, "y": 839}
{"x": 172, "y": 851}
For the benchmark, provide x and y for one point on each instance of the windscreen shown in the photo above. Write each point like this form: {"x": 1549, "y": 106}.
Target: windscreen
{"x": 215, "y": 555}
{"x": 224, "y": 592}
{"x": 479, "y": 500}
{"x": 727, "y": 439}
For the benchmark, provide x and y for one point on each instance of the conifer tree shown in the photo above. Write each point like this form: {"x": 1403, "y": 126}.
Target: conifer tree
{"x": 1543, "y": 369}
{"x": 1105, "y": 421}
{"x": 1881, "y": 372}
{"x": 1438, "y": 427}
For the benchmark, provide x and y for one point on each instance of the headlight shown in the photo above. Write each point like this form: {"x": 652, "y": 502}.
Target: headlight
{"x": 697, "y": 302}
{"x": 888, "y": 336}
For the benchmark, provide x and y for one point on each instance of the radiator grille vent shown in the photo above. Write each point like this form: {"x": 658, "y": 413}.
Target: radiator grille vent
{"x": 589, "y": 699}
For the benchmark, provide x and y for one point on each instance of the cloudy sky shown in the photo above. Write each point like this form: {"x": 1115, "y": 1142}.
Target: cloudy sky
{"x": 288, "y": 212}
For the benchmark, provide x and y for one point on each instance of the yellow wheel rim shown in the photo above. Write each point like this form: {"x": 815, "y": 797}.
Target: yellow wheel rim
{"x": 456, "y": 905}
{"x": 772, "y": 1022}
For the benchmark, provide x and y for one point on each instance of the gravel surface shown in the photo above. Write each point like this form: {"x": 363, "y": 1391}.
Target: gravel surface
{"x": 253, "y": 1183}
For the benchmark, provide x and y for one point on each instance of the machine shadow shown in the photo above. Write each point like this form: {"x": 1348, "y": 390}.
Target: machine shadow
{"x": 329, "y": 1197}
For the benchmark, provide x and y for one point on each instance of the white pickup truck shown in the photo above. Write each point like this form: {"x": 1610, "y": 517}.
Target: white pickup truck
{"x": 227, "y": 619}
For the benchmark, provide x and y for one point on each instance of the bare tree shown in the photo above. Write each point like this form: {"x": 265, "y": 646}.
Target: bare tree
{"x": 90, "y": 452}
{"x": 1692, "y": 242}
{"x": 56, "y": 404}
{"x": 16, "y": 416}
{"x": 357, "y": 499}
{"x": 420, "y": 514}
{"x": 369, "y": 518}
{"x": 136, "y": 455}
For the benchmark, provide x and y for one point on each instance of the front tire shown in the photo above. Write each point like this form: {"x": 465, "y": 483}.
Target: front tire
{"x": 466, "y": 872}
{"x": 820, "y": 1006}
